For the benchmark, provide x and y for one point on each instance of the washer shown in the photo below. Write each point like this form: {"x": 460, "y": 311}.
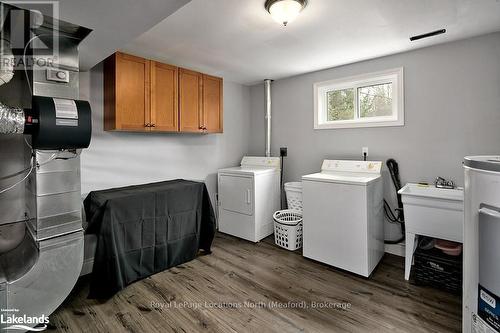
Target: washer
{"x": 248, "y": 197}
{"x": 343, "y": 215}
{"x": 481, "y": 267}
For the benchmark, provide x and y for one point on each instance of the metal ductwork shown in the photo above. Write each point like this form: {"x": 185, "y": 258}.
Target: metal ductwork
{"x": 11, "y": 119}
{"x": 43, "y": 126}
{"x": 267, "y": 97}
{"x": 7, "y": 63}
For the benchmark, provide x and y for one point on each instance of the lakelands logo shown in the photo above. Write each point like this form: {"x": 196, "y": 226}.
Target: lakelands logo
{"x": 12, "y": 321}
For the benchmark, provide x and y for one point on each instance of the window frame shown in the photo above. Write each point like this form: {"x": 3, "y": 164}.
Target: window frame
{"x": 394, "y": 76}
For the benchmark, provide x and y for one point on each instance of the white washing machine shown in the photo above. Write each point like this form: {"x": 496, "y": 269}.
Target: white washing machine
{"x": 481, "y": 266}
{"x": 343, "y": 215}
{"x": 248, "y": 197}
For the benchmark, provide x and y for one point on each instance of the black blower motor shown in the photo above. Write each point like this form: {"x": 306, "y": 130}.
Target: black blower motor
{"x": 56, "y": 123}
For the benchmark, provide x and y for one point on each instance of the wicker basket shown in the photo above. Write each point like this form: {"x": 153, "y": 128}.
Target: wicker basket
{"x": 288, "y": 229}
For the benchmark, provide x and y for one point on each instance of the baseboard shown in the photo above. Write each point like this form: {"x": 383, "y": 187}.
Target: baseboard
{"x": 396, "y": 249}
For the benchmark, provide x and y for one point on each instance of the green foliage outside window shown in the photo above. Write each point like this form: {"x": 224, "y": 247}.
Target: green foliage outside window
{"x": 373, "y": 101}
{"x": 340, "y": 105}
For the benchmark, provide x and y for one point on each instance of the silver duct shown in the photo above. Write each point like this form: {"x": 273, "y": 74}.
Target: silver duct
{"x": 39, "y": 267}
{"x": 11, "y": 118}
{"x": 7, "y": 61}
{"x": 267, "y": 97}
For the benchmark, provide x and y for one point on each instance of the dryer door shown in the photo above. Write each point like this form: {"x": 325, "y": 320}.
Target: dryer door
{"x": 236, "y": 194}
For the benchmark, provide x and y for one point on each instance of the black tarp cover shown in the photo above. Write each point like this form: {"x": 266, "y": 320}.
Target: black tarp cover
{"x": 142, "y": 230}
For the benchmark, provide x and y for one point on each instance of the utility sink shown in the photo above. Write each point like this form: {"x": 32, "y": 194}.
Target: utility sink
{"x": 433, "y": 212}
{"x": 430, "y": 191}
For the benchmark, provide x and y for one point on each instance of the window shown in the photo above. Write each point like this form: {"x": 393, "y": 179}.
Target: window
{"x": 369, "y": 100}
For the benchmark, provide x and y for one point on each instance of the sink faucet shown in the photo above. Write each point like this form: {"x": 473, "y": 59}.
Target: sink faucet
{"x": 443, "y": 183}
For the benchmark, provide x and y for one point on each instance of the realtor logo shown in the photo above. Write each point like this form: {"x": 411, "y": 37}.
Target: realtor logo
{"x": 11, "y": 320}
{"x": 26, "y": 328}
{"x": 24, "y": 32}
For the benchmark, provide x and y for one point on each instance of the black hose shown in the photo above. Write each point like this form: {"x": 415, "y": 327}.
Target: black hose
{"x": 389, "y": 214}
{"x": 397, "y": 241}
{"x": 393, "y": 167}
{"x": 282, "y": 186}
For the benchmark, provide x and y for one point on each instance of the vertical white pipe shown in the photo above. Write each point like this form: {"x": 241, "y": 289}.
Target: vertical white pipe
{"x": 267, "y": 94}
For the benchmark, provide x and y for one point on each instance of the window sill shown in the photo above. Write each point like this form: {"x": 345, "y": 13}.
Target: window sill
{"x": 359, "y": 124}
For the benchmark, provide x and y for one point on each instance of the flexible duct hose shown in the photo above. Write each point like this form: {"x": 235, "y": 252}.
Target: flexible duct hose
{"x": 11, "y": 118}
{"x": 7, "y": 61}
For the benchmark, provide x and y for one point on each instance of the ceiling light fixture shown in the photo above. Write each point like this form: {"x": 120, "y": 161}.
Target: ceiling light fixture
{"x": 285, "y": 11}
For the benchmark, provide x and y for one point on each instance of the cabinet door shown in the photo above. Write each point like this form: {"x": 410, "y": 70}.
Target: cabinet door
{"x": 212, "y": 104}
{"x": 190, "y": 100}
{"x": 132, "y": 93}
{"x": 164, "y": 109}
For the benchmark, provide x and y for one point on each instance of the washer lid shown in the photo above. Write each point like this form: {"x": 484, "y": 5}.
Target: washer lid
{"x": 257, "y": 161}
{"x": 489, "y": 163}
{"x": 247, "y": 170}
{"x": 353, "y": 178}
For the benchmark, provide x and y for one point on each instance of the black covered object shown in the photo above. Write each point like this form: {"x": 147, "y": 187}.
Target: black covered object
{"x": 145, "y": 229}
{"x": 67, "y": 125}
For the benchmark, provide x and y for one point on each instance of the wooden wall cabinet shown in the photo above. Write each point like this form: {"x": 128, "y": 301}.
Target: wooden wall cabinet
{"x": 149, "y": 96}
{"x": 126, "y": 93}
{"x": 190, "y": 100}
{"x": 164, "y": 107}
{"x": 212, "y": 109}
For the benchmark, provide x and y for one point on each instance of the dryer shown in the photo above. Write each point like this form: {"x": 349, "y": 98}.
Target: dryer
{"x": 343, "y": 215}
{"x": 248, "y": 196}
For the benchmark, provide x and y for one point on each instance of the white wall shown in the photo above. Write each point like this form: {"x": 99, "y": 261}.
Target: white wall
{"x": 452, "y": 109}
{"x": 117, "y": 159}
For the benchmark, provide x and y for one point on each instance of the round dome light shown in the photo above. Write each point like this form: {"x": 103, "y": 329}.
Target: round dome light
{"x": 285, "y": 11}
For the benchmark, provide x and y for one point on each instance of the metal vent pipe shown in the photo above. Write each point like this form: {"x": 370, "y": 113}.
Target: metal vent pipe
{"x": 267, "y": 96}
{"x": 11, "y": 118}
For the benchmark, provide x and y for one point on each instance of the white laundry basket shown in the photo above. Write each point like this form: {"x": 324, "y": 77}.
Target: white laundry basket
{"x": 288, "y": 229}
{"x": 293, "y": 192}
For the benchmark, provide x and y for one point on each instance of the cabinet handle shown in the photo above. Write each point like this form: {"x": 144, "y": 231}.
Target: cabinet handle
{"x": 153, "y": 125}
{"x": 147, "y": 125}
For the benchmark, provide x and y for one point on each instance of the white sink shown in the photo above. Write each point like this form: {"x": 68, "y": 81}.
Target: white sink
{"x": 433, "y": 212}
{"x": 431, "y": 191}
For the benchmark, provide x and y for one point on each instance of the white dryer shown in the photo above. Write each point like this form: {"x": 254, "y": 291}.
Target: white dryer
{"x": 248, "y": 197}
{"x": 343, "y": 215}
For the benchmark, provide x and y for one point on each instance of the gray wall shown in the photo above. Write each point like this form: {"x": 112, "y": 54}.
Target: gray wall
{"x": 117, "y": 159}
{"x": 452, "y": 109}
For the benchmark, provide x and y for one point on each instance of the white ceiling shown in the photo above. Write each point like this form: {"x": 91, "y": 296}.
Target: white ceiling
{"x": 237, "y": 39}
{"x": 114, "y": 23}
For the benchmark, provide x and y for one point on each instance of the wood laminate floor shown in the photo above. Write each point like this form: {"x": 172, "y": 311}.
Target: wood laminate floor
{"x": 245, "y": 287}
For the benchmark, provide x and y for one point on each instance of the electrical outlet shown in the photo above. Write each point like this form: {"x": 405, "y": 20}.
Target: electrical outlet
{"x": 283, "y": 151}
{"x": 364, "y": 151}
